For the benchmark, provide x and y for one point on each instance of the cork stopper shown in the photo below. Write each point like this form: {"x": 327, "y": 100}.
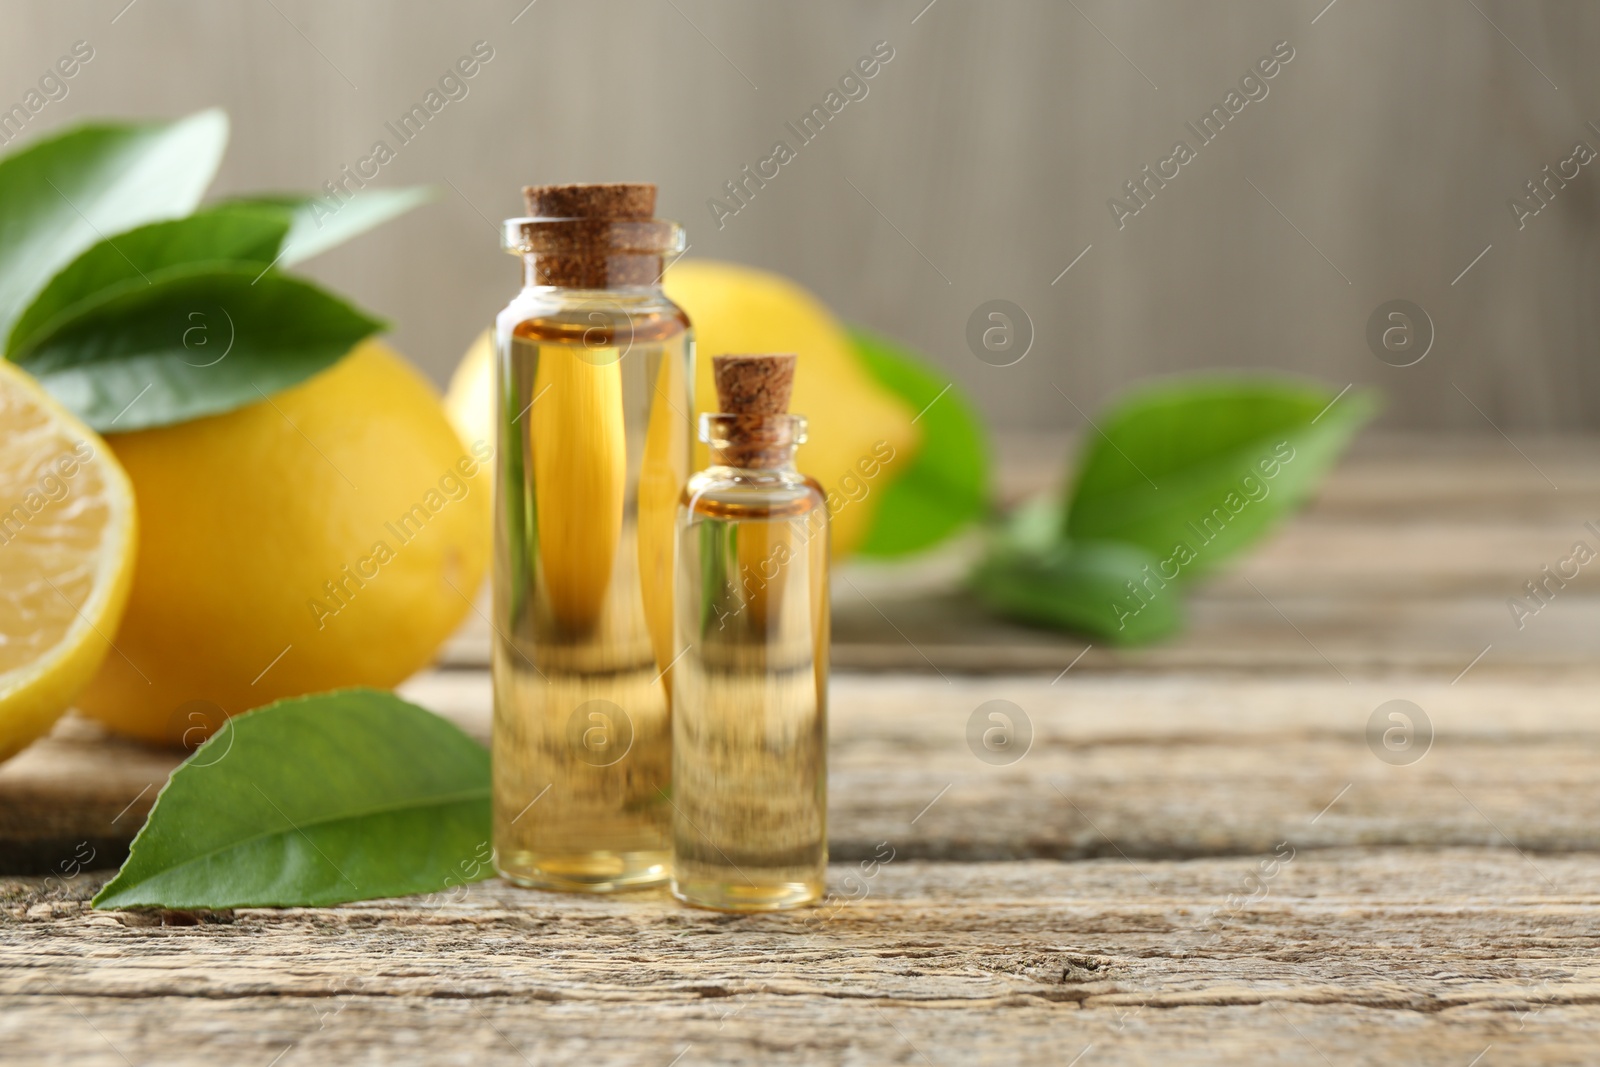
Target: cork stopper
{"x": 753, "y": 390}
{"x": 599, "y": 200}
{"x": 579, "y": 228}
{"x": 754, "y": 384}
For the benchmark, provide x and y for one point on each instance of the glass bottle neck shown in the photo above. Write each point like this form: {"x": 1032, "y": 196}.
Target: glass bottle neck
{"x": 769, "y": 465}
{"x": 757, "y": 444}
{"x": 639, "y": 274}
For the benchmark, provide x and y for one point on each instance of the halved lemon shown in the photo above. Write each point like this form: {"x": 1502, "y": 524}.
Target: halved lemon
{"x": 67, "y": 541}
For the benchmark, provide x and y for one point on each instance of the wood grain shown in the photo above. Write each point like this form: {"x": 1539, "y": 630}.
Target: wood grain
{"x": 1176, "y": 766}
{"x": 1172, "y": 766}
{"x": 1404, "y": 562}
{"x": 1424, "y": 956}
{"x": 1200, "y": 857}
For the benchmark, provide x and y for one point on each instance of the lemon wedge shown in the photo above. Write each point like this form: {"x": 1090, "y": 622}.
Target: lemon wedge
{"x": 67, "y": 544}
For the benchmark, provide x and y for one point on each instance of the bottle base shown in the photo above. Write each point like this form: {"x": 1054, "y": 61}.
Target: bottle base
{"x": 587, "y": 872}
{"x": 724, "y": 896}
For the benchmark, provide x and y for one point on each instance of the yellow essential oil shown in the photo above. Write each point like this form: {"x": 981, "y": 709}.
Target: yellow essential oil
{"x": 749, "y": 728}
{"x": 594, "y": 380}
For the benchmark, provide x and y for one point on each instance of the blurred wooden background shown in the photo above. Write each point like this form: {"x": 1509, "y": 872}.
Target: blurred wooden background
{"x": 977, "y": 167}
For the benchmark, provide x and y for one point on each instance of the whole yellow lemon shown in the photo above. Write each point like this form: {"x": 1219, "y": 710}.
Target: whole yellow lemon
{"x": 860, "y": 436}
{"x": 330, "y": 535}
{"x": 469, "y": 402}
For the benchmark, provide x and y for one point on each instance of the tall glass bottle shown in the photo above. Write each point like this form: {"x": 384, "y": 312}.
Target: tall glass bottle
{"x": 594, "y": 393}
{"x": 749, "y": 764}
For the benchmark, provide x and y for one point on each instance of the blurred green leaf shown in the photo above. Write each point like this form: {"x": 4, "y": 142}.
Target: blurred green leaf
{"x": 1208, "y": 464}
{"x": 218, "y": 235}
{"x": 1179, "y": 476}
{"x": 61, "y": 195}
{"x": 312, "y": 801}
{"x": 317, "y": 224}
{"x": 197, "y": 340}
{"x": 947, "y": 484}
{"x": 1081, "y": 586}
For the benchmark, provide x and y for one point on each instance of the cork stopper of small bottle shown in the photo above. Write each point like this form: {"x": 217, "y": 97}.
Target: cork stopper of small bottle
{"x": 579, "y": 253}
{"x": 597, "y": 200}
{"x": 753, "y": 389}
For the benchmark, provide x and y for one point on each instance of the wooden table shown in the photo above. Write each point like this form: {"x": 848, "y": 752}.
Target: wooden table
{"x": 1200, "y": 859}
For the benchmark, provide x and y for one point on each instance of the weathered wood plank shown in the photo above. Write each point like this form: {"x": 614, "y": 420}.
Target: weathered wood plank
{"x": 1263, "y": 630}
{"x": 387, "y": 1031}
{"x": 1361, "y": 956}
{"x": 1169, "y": 767}
{"x": 1402, "y": 567}
{"x": 1405, "y": 561}
{"x": 1427, "y": 598}
{"x": 77, "y": 793}
{"x": 1407, "y": 928}
{"x": 1161, "y": 767}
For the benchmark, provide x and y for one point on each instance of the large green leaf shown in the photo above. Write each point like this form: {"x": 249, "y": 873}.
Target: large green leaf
{"x": 197, "y": 340}
{"x": 947, "y": 484}
{"x": 218, "y": 235}
{"x": 61, "y": 195}
{"x": 1083, "y": 587}
{"x": 313, "y": 801}
{"x": 318, "y": 223}
{"x": 1031, "y": 575}
{"x": 1207, "y": 464}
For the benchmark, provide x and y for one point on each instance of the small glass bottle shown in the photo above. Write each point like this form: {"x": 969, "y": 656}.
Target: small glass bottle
{"x": 750, "y": 733}
{"x": 594, "y": 394}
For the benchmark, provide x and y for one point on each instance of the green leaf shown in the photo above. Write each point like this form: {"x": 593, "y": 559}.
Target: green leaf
{"x": 1082, "y": 587}
{"x": 60, "y": 196}
{"x": 218, "y": 235}
{"x": 317, "y": 225}
{"x": 1207, "y": 464}
{"x": 197, "y": 340}
{"x": 1179, "y": 476}
{"x": 947, "y": 484}
{"x": 312, "y": 801}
